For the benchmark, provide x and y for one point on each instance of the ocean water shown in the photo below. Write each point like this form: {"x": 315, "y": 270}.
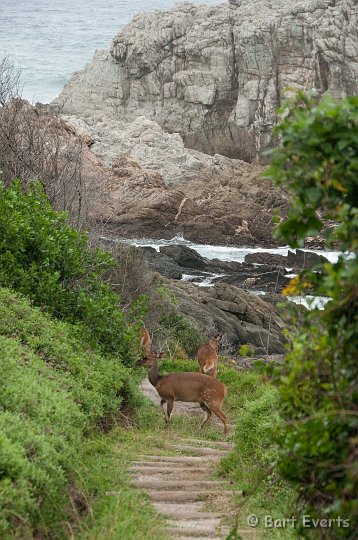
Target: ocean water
{"x": 226, "y": 253}
{"x": 51, "y": 39}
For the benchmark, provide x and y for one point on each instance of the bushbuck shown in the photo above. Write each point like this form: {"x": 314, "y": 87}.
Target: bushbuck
{"x": 189, "y": 387}
{"x": 208, "y": 356}
{"x": 145, "y": 341}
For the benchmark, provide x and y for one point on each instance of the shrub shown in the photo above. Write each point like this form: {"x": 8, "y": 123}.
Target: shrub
{"x": 53, "y": 389}
{"x": 318, "y": 161}
{"x": 50, "y": 262}
{"x": 176, "y": 327}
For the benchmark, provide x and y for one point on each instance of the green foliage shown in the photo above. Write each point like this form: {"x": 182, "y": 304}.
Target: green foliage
{"x": 253, "y": 403}
{"x": 53, "y": 389}
{"x": 175, "y": 326}
{"x": 50, "y": 262}
{"x": 318, "y": 161}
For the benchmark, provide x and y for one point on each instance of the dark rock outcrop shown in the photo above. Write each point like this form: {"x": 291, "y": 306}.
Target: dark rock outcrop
{"x": 185, "y": 256}
{"x": 266, "y": 278}
{"x": 269, "y": 273}
{"x": 297, "y": 260}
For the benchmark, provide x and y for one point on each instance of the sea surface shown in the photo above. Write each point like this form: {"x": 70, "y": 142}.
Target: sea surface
{"x": 237, "y": 254}
{"x": 51, "y": 39}
{"x": 225, "y": 253}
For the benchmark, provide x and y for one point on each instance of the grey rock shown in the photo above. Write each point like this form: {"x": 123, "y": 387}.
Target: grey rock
{"x": 185, "y": 256}
{"x": 263, "y": 278}
{"x": 266, "y": 258}
{"x": 304, "y": 259}
{"x": 243, "y": 317}
{"x": 162, "y": 263}
{"x": 216, "y": 74}
{"x": 297, "y": 260}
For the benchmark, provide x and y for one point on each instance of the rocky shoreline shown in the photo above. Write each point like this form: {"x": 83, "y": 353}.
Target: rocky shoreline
{"x": 263, "y": 272}
{"x": 237, "y": 298}
{"x": 180, "y": 110}
{"x": 174, "y": 120}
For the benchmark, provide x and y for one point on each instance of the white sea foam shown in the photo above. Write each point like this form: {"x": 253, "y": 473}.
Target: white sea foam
{"x": 226, "y": 253}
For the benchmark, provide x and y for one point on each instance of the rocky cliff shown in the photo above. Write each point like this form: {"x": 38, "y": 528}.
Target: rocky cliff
{"x": 157, "y": 188}
{"x": 216, "y": 74}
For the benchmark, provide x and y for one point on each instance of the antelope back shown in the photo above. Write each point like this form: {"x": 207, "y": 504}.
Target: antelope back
{"x": 191, "y": 387}
{"x": 145, "y": 340}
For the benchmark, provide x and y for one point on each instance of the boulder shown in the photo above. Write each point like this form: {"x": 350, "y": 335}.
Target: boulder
{"x": 267, "y": 258}
{"x": 304, "y": 259}
{"x": 162, "y": 263}
{"x": 185, "y": 256}
{"x": 298, "y": 260}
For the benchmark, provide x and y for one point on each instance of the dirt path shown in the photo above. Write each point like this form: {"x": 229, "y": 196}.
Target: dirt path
{"x": 181, "y": 483}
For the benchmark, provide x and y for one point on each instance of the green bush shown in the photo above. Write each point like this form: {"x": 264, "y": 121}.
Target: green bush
{"x": 253, "y": 403}
{"x": 318, "y": 161}
{"x": 175, "y": 326}
{"x": 53, "y": 389}
{"x": 60, "y": 345}
{"x": 50, "y": 262}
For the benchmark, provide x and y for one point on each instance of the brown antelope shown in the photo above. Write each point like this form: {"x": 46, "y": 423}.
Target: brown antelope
{"x": 208, "y": 356}
{"x": 145, "y": 341}
{"x": 189, "y": 387}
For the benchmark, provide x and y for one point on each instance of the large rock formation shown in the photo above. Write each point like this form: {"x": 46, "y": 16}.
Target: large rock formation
{"x": 158, "y": 188}
{"x": 215, "y": 74}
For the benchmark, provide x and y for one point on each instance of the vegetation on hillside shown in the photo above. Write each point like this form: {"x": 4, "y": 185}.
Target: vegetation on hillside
{"x": 63, "y": 364}
{"x": 44, "y": 258}
{"x": 53, "y": 389}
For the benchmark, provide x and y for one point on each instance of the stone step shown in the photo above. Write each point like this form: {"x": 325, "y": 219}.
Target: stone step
{"x": 176, "y": 459}
{"x": 177, "y": 484}
{"x": 168, "y": 507}
{"x": 207, "y": 525}
{"x": 196, "y": 532}
{"x": 220, "y": 444}
{"x": 182, "y": 515}
{"x": 161, "y": 468}
{"x": 188, "y": 495}
{"x": 205, "y": 451}
{"x": 170, "y": 477}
